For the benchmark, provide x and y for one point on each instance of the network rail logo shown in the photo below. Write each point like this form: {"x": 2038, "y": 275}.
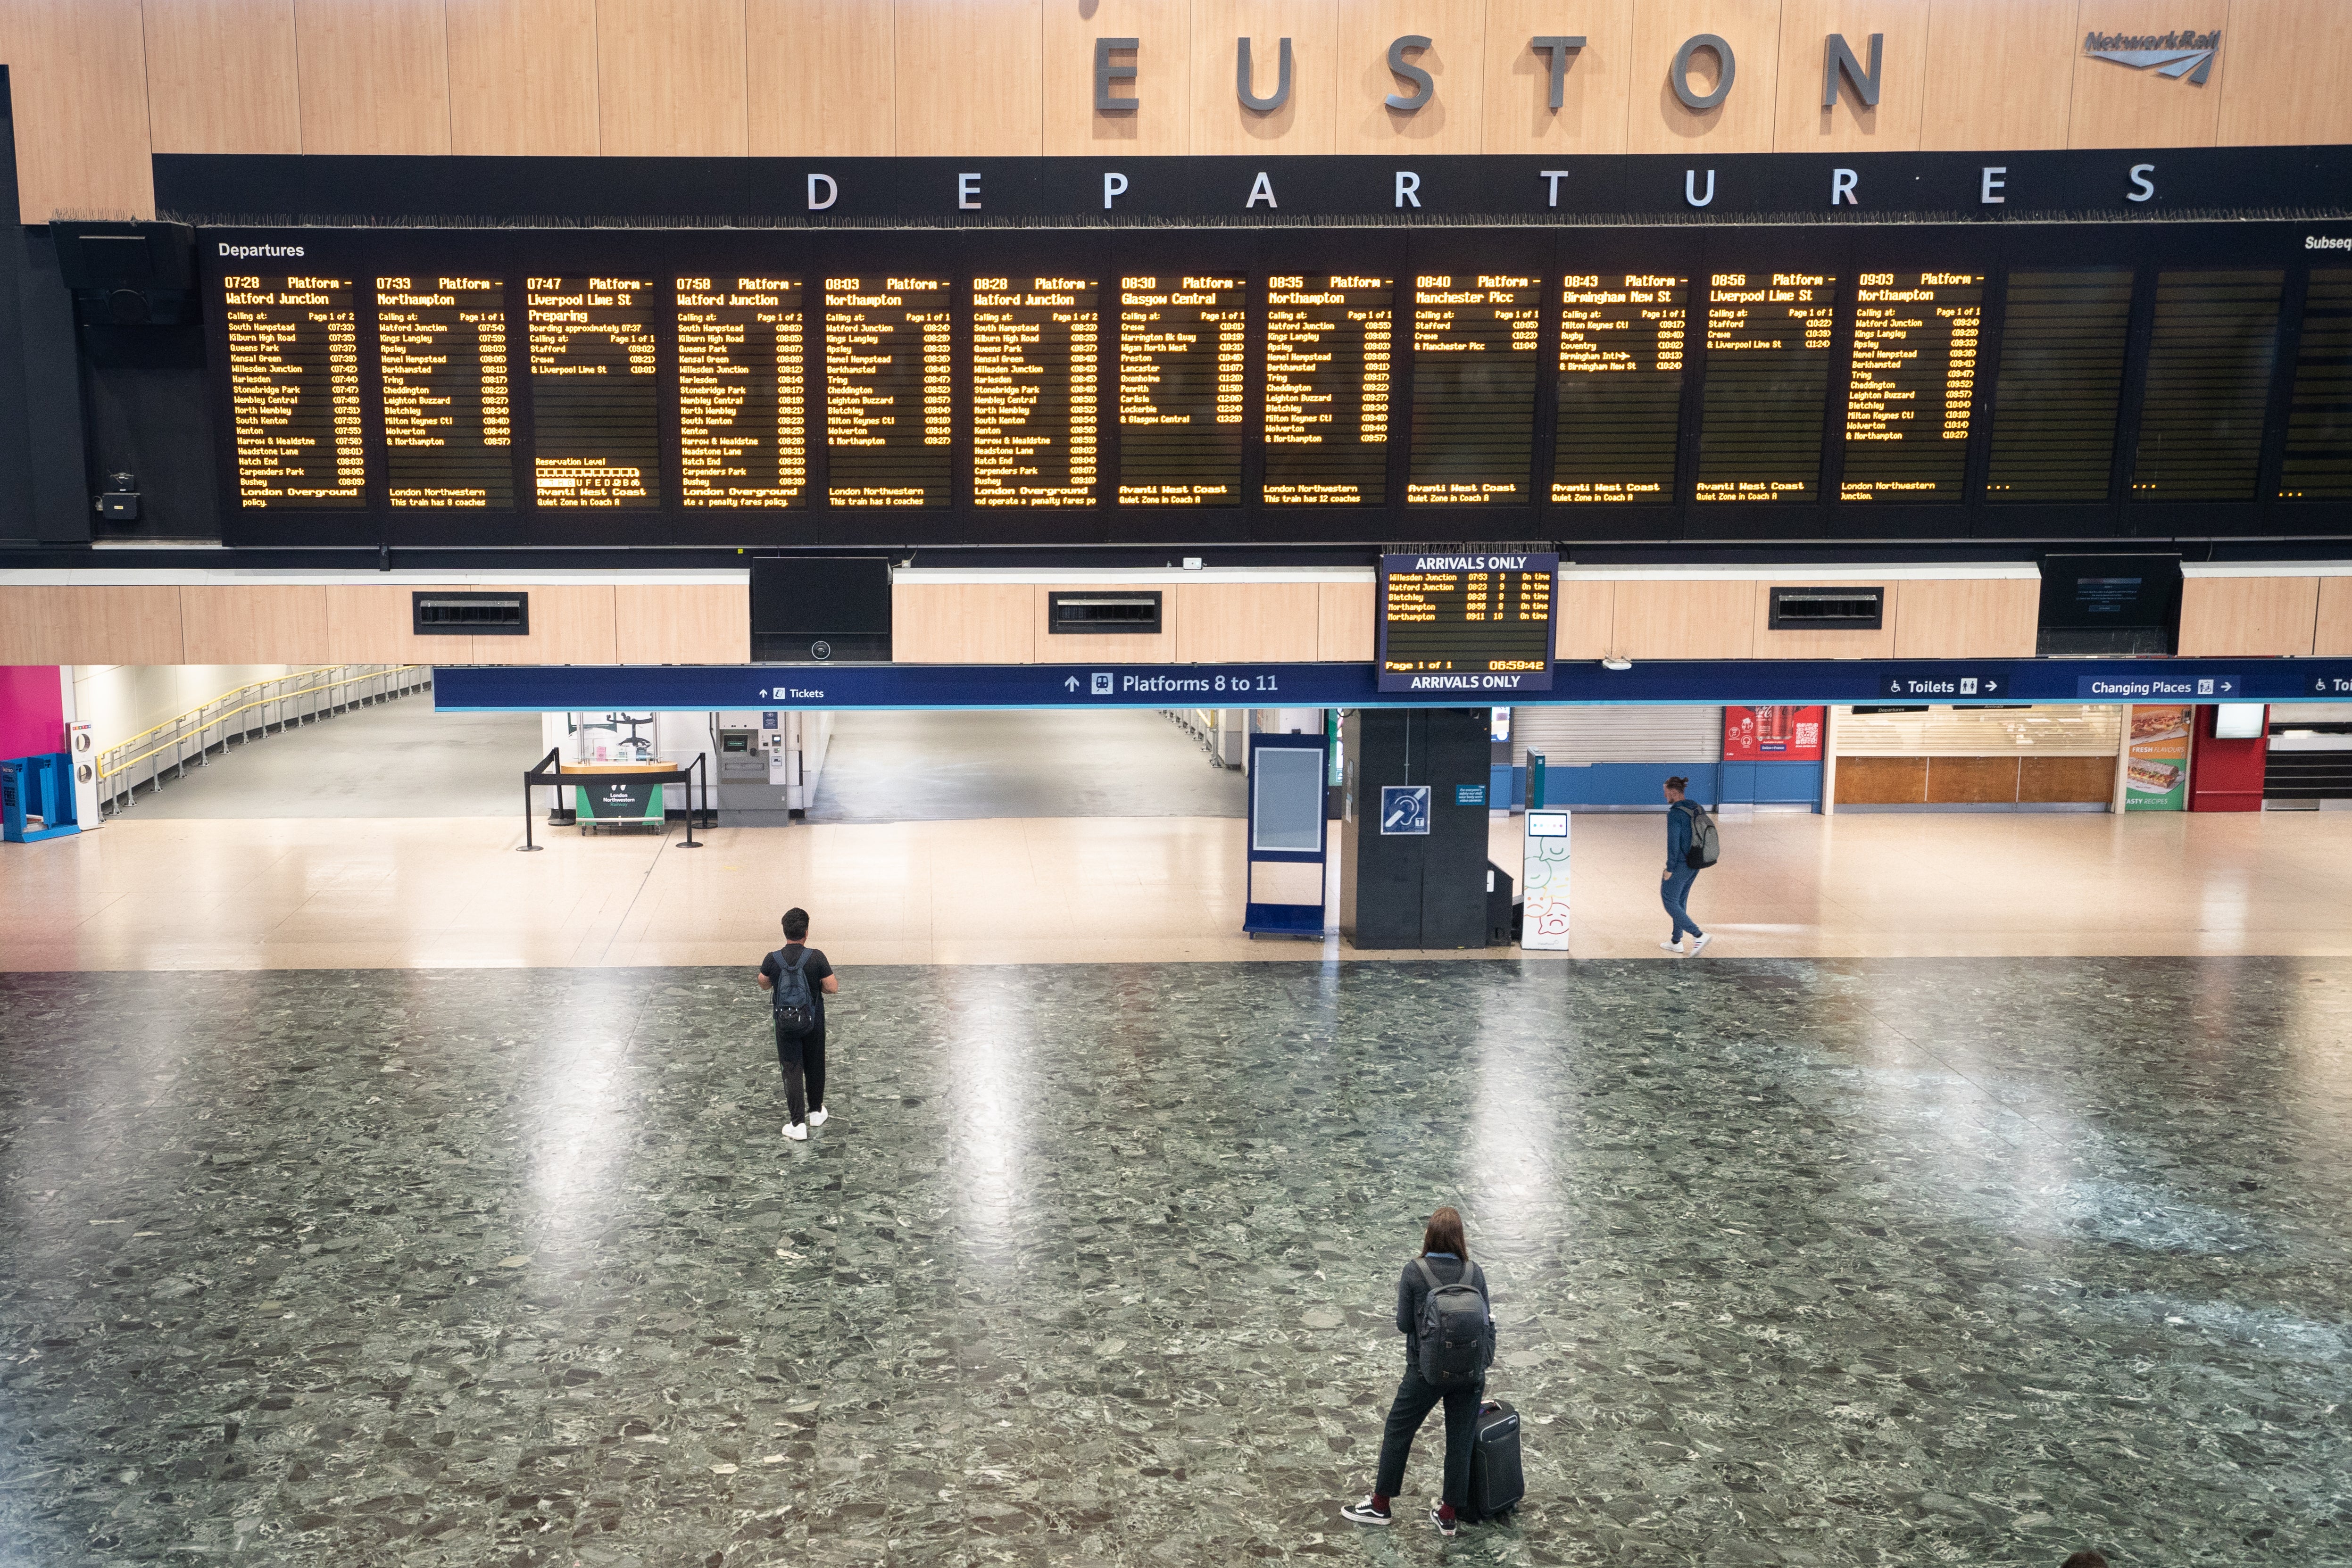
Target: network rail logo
{"x": 2167, "y": 53}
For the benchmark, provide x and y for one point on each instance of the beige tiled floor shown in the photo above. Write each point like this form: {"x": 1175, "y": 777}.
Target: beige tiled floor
{"x": 307, "y": 894}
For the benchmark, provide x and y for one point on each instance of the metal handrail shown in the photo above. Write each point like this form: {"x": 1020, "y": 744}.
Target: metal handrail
{"x": 301, "y": 697}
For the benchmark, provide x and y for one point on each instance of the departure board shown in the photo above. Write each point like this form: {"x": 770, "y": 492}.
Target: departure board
{"x": 1476, "y": 339}
{"x": 889, "y": 391}
{"x": 1768, "y": 376}
{"x": 2060, "y": 385}
{"x": 2318, "y": 463}
{"x": 595, "y": 392}
{"x": 1181, "y": 371}
{"x": 1909, "y": 401}
{"x": 1467, "y": 622}
{"x": 742, "y": 394}
{"x": 1329, "y": 340}
{"x": 448, "y": 409}
{"x": 1623, "y": 338}
{"x": 2209, "y": 382}
{"x": 1035, "y": 351}
{"x": 294, "y": 390}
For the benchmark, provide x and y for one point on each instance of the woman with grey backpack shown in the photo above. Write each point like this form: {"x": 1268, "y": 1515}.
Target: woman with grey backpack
{"x": 1448, "y": 1323}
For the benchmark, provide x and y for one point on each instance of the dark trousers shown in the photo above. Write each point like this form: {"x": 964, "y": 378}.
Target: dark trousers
{"x": 801, "y": 1056}
{"x": 1674, "y": 893}
{"x": 1414, "y": 1400}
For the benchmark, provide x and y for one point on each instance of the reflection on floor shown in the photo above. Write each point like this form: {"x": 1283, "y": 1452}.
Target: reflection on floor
{"x": 396, "y": 759}
{"x": 1829, "y": 1263}
{"x": 948, "y": 767}
{"x": 396, "y": 893}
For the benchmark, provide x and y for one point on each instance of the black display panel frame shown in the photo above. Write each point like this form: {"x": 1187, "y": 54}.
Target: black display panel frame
{"x": 1697, "y": 251}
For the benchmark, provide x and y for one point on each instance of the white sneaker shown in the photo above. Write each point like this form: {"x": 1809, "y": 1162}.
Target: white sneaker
{"x": 796, "y": 1132}
{"x": 816, "y": 1117}
{"x": 1700, "y": 945}
{"x": 1674, "y": 946}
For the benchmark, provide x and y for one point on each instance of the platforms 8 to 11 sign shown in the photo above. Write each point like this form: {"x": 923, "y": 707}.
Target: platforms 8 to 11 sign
{"x": 1475, "y": 622}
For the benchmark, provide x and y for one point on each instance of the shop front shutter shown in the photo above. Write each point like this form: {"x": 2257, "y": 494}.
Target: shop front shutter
{"x": 1569, "y": 735}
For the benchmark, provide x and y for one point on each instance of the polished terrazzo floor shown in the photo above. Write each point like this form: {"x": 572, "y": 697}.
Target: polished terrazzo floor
{"x": 1806, "y": 1262}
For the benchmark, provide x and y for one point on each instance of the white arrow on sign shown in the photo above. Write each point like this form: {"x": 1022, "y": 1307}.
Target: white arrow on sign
{"x": 2227, "y": 687}
{"x": 763, "y": 693}
{"x": 1992, "y": 686}
{"x": 1072, "y": 682}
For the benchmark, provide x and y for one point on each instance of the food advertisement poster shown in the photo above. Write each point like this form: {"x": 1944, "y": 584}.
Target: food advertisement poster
{"x": 2156, "y": 773}
{"x": 1772, "y": 734}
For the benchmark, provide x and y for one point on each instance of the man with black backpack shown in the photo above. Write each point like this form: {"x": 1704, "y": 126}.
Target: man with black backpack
{"x": 797, "y": 979}
{"x": 1691, "y": 847}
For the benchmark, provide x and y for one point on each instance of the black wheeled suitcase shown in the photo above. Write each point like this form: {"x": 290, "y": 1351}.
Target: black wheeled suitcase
{"x": 1495, "y": 1483}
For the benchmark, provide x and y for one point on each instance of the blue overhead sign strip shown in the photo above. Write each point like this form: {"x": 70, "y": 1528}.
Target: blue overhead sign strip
{"x": 713, "y": 688}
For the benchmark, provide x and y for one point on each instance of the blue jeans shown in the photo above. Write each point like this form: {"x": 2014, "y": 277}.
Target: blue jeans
{"x": 1675, "y": 893}
{"x": 1414, "y": 1400}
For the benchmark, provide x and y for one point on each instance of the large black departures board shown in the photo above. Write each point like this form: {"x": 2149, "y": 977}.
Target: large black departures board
{"x": 873, "y": 388}
{"x": 1472, "y": 622}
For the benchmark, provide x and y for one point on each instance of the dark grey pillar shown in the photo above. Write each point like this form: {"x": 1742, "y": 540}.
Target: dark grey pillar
{"x": 1414, "y": 890}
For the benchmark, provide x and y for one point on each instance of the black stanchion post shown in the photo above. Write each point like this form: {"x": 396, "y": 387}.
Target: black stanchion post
{"x": 687, "y": 779}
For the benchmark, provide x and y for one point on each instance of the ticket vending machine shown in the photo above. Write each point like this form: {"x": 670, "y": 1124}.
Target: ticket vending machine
{"x": 757, "y": 776}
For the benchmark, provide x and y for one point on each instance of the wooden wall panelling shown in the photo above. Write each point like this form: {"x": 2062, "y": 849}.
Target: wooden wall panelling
{"x": 1344, "y": 629}
{"x": 1693, "y": 620}
{"x": 1159, "y": 124}
{"x": 1453, "y": 119}
{"x": 2075, "y": 780}
{"x": 32, "y": 627}
{"x": 2003, "y": 77}
{"x": 2120, "y": 106}
{"x": 1120, "y": 648}
{"x": 963, "y": 623}
{"x": 682, "y": 622}
{"x": 368, "y": 624}
{"x": 240, "y": 624}
{"x": 374, "y": 76}
{"x": 1655, "y": 119}
{"x": 670, "y": 79}
{"x": 1882, "y": 780}
{"x": 1968, "y": 617}
{"x": 1892, "y": 126}
{"x": 1971, "y": 780}
{"x": 1308, "y": 122}
{"x": 569, "y": 625}
{"x": 971, "y": 78}
{"x": 2289, "y": 62}
{"x": 77, "y": 88}
{"x": 522, "y": 78}
{"x": 1583, "y": 618}
{"x": 2227, "y": 616}
{"x": 61, "y": 625}
{"x": 1813, "y": 644}
{"x": 2333, "y": 636}
{"x": 221, "y": 76}
{"x": 1238, "y": 621}
{"x": 823, "y": 79}
{"x": 1592, "y": 98}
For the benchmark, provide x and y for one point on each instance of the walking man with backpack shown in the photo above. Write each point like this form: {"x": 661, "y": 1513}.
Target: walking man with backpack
{"x": 797, "y": 979}
{"x": 1444, "y": 1312}
{"x": 1691, "y": 848}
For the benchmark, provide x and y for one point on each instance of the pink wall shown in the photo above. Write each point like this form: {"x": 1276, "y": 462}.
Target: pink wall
{"x": 32, "y": 710}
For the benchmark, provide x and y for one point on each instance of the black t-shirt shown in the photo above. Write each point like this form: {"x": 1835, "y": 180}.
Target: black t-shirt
{"x": 815, "y": 967}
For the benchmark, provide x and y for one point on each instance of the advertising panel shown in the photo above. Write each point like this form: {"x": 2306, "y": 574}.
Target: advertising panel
{"x": 1772, "y": 734}
{"x": 2155, "y": 774}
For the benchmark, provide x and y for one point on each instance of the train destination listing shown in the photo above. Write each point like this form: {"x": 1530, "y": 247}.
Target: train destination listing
{"x": 1182, "y": 368}
{"x": 889, "y": 403}
{"x": 1329, "y": 341}
{"x": 595, "y": 392}
{"x": 448, "y": 409}
{"x": 1623, "y": 337}
{"x": 1035, "y": 394}
{"x": 294, "y": 390}
{"x": 742, "y": 392}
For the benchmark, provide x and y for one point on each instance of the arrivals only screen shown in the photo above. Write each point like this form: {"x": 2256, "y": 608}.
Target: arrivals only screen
{"x": 1467, "y": 622}
{"x": 495, "y": 385}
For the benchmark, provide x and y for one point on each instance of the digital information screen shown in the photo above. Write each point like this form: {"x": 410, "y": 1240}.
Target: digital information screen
{"x": 742, "y": 392}
{"x": 1914, "y": 386}
{"x": 595, "y": 392}
{"x": 2060, "y": 385}
{"x": 448, "y": 408}
{"x": 1036, "y": 358}
{"x": 1329, "y": 342}
{"x": 889, "y": 391}
{"x": 2318, "y": 462}
{"x": 2208, "y": 380}
{"x": 1476, "y": 342}
{"x": 1467, "y": 622}
{"x": 1182, "y": 374}
{"x": 1622, "y": 342}
{"x": 1767, "y": 372}
{"x": 294, "y": 390}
